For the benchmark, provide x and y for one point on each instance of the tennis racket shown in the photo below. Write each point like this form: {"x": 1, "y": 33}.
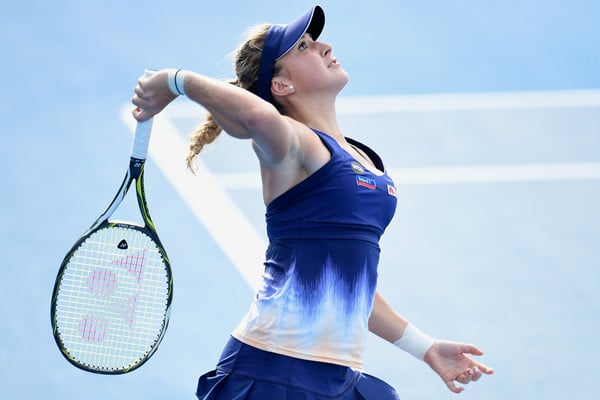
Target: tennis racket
{"x": 112, "y": 295}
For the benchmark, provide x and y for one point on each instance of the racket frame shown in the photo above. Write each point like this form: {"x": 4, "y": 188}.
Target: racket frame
{"x": 135, "y": 172}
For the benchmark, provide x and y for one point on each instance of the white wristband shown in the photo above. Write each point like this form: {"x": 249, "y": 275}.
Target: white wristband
{"x": 176, "y": 81}
{"x": 415, "y": 342}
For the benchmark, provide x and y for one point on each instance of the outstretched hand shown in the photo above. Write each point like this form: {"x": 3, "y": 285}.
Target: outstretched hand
{"x": 450, "y": 361}
{"x": 151, "y": 95}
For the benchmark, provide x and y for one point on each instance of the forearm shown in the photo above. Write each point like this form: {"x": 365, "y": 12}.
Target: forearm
{"x": 385, "y": 322}
{"x": 236, "y": 110}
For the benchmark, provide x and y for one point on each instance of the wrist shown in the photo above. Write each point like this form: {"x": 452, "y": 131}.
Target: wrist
{"x": 176, "y": 81}
{"x": 415, "y": 342}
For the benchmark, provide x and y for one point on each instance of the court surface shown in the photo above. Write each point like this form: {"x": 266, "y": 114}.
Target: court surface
{"x": 487, "y": 117}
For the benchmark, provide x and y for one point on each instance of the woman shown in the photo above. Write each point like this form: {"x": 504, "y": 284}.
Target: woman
{"x": 328, "y": 201}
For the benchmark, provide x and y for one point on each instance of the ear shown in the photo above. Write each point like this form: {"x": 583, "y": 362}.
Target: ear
{"x": 280, "y": 87}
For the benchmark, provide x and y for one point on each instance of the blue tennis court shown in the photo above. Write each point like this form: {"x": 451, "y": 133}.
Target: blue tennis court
{"x": 486, "y": 115}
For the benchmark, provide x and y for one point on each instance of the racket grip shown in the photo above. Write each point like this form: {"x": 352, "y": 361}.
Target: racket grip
{"x": 141, "y": 139}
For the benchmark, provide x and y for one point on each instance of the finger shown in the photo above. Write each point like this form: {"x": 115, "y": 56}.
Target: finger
{"x": 140, "y": 115}
{"x": 466, "y": 377}
{"x": 485, "y": 369}
{"x": 462, "y": 379}
{"x": 476, "y": 374}
{"x": 453, "y": 388}
{"x": 471, "y": 349}
{"x": 139, "y": 102}
{"x": 136, "y": 112}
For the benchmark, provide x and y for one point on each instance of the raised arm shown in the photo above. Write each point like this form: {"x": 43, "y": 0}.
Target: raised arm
{"x": 240, "y": 113}
{"x": 447, "y": 359}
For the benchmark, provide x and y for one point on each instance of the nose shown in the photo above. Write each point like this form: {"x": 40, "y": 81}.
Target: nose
{"x": 326, "y": 48}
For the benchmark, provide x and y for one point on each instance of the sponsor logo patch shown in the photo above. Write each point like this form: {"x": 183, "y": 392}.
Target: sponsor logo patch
{"x": 391, "y": 190}
{"x": 365, "y": 182}
{"x": 357, "y": 168}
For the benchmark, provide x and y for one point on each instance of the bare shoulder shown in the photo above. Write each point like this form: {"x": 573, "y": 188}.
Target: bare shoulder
{"x": 312, "y": 152}
{"x": 305, "y": 155}
{"x": 294, "y": 147}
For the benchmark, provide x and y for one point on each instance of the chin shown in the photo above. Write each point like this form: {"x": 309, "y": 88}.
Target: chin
{"x": 344, "y": 81}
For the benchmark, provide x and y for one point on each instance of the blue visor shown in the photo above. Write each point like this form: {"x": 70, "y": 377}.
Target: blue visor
{"x": 280, "y": 40}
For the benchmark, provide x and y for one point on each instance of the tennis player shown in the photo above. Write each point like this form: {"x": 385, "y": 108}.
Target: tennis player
{"x": 328, "y": 201}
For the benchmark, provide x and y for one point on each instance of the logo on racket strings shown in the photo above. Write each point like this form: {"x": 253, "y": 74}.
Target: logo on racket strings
{"x": 123, "y": 245}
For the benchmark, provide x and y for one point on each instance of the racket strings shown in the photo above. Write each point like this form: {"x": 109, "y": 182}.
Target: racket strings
{"x": 113, "y": 299}
{"x": 134, "y": 263}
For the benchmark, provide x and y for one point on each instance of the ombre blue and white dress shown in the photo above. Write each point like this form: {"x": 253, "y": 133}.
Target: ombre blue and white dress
{"x": 305, "y": 332}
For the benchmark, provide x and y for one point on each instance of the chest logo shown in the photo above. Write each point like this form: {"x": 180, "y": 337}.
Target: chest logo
{"x": 391, "y": 190}
{"x": 366, "y": 182}
{"x": 357, "y": 168}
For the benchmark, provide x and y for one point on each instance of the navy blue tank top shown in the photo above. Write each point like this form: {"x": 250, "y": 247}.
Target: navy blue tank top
{"x": 321, "y": 264}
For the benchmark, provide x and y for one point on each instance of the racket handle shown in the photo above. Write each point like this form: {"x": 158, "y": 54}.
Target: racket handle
{"x": 141, "y": 140}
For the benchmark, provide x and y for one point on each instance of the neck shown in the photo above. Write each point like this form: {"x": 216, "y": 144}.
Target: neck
{"x": 320, "y": 115}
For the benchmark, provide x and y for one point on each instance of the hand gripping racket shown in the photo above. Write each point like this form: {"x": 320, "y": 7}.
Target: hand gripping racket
{"x": 113, "y": 292}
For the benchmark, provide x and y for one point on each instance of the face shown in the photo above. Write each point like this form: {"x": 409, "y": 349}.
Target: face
{"x": 311, "y": 67}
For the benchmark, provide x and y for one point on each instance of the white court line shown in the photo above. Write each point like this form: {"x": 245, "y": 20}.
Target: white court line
{"x": 496, "y": 173}
{"x": 469, "y": 101}
{"x": 206, "y": 197}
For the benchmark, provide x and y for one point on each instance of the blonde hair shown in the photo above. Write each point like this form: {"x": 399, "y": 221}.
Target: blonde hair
{"x": 247, "y": 64}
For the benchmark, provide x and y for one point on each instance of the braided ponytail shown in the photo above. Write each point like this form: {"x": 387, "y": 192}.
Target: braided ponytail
{"x": 203, "y": 135}
{"x": 206, "y": 133}
{"x": 247, "y": 64}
